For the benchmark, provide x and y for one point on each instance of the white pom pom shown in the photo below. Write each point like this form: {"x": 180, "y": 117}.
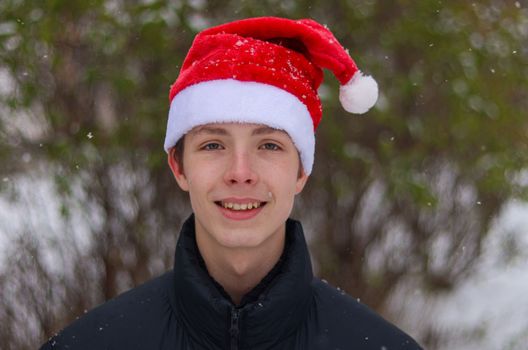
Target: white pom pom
{"x": 359, "y": 94}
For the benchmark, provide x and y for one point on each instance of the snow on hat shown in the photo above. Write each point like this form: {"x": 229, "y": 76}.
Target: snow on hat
{"x": 264, "y": 70}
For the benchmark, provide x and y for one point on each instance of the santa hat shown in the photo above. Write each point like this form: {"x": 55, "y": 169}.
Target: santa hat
{"x": 267, "y": 71}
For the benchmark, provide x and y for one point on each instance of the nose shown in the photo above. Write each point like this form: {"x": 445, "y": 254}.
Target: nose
{"x": 240, "y": 170}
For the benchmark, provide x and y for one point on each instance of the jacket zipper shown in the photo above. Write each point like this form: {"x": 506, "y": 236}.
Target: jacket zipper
{"x": 233, "y": 330}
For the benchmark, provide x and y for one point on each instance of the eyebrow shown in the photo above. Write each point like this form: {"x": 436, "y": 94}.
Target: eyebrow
{"x": 264, "y": 130}
{"x": 210, "y": 130}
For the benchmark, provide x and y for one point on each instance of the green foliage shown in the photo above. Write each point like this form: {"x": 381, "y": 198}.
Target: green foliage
{"x": 442, "y": 150}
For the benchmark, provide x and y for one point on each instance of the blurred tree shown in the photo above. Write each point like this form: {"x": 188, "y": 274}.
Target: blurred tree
{"x": 408, "y": 192}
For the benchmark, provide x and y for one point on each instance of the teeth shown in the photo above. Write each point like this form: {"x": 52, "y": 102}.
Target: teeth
{"x": 237, "y": 206}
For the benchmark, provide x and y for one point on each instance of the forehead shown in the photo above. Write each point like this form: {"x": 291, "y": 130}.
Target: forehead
{"x": 228, "y": 129}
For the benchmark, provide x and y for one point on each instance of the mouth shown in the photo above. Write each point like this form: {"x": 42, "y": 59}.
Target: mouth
{"x": 247, "y": 205}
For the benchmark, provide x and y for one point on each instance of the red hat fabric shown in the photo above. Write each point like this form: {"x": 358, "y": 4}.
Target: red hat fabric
{"x": 264, "y": 70}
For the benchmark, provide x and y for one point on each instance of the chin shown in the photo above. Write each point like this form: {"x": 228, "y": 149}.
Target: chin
{"x": 241, "y": 238}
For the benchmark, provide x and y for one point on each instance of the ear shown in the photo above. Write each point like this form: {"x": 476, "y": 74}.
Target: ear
{"x": 301, "y": 181}
{"x": 180, "y": 177}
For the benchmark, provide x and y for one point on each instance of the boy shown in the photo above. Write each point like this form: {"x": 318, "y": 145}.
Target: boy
{"x": 240, "y": 140}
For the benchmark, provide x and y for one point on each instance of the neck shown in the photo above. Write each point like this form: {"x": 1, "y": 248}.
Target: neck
{"x": 239, "y": 270}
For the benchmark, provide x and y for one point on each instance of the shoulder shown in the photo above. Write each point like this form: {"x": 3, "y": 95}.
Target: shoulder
{"x": 124, "y": 320}
{"x": 343, "y": 320}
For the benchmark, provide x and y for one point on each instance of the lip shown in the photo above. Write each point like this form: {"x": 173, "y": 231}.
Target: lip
{"x": 244, "y": 200}
{"x": 239, "y": 215}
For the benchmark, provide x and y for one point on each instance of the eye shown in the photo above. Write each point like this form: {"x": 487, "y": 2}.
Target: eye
{"x": 212, "y": 146}
{"x": 269, "y": 146}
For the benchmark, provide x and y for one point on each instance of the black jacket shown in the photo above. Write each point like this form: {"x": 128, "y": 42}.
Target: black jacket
{"x": 186, "y": 309}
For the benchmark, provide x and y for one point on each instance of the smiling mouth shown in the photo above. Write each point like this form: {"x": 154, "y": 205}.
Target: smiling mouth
{"x": 240, "y": 206}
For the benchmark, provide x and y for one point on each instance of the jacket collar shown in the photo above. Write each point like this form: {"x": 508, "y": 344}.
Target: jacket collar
{"x": 270, "y": 312}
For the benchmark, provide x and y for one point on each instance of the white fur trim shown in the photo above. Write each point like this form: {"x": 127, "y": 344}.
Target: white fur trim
{"x": 228, "y": 100}
{"x": 359, "y": 94}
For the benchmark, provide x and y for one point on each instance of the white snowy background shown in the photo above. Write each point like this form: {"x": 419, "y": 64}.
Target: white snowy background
{"x": 489, "y": 310}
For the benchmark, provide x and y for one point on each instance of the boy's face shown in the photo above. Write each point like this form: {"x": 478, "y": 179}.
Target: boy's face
{"x": 237, "y": 164}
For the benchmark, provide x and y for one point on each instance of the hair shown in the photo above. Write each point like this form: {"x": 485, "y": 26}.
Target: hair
{"x": 179, "y": 147}
{"x": 177, "y": 154}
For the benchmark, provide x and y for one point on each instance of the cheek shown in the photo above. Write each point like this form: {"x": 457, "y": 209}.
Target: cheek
{"x": 200, "y": 170}
{"x": 199, "y": 182}
{"x": 284, "y": 179}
